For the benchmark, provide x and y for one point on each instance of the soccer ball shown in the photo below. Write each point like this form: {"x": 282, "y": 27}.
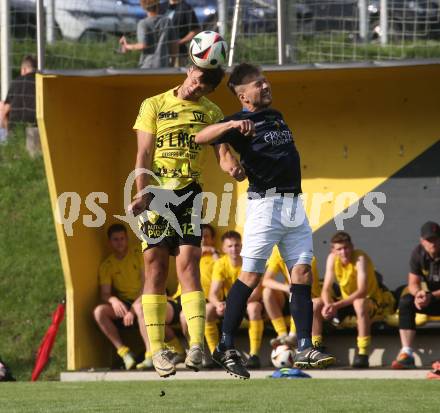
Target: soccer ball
{"x": 208, "y": 50}
{"x": 282, "y": 356}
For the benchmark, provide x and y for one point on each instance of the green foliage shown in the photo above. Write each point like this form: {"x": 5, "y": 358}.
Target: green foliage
{"x": 31, "y": 280}
{"x": 254, "y": 396}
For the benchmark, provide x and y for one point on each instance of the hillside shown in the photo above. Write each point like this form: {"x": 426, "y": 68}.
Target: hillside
{"x": 31, "y": 280}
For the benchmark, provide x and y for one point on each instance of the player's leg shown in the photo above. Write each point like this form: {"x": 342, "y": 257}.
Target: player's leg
{"x": 296, "y": 248}
{"x": 147, "y": 362}
{"x": 362, "y": 309}
{"x": 256, "y": 329}
{"x": 274, "y": 302}
{"x": 211, "y": 329}
{"x": 172, "y": 342}
{"x": 317, "y": 324}
{"x": 225, "y": 353}
{"x": 154, "y": 305}
{"x": 193, "y": 302}
{"x": 105, "y": 318}
{"x": 407, "y": 330}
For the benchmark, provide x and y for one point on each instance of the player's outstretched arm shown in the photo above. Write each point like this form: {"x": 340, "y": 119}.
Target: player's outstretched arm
{"x": 213, "y": 132}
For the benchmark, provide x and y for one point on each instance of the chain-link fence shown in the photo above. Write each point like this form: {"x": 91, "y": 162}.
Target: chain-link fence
{"x": 85, "y": 34}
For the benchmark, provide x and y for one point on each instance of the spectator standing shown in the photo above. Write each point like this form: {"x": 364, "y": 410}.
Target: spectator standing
{"x": 424, "y": 291}
{"x": 19, "y": 105}
{"x": 184, "y": 20}
{"x": 156, "y": 38}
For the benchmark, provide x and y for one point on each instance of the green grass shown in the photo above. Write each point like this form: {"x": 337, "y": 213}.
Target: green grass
{"x": 31, "y": 281}
{"x": 223, "y": 396}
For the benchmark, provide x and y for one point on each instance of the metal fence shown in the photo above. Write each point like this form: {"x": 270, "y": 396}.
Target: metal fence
{"x": 85, "y": 34}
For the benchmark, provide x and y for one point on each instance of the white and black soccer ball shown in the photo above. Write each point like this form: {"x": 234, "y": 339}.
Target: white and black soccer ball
{"x": 208, "y": 50}
{"x": 282, "y": 356}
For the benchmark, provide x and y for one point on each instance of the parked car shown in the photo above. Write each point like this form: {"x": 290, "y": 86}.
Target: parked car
{"x": 80, "y": 18}
{"x": 407, "y": 18}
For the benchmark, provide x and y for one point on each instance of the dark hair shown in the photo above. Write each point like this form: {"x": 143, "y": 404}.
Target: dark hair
{"x": 231, "y": 234}
{"x": 150, "y": 5}
{"x": 210, "y": 228}
{"x": 115, "y": 228}
{"x": 212, "y": 77}
{"x": 341, "y": 237}
{"x": 239, "y": 73}
{"x": 30, "y": 61}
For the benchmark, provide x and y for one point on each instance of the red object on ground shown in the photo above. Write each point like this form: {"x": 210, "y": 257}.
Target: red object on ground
{"x": 47, "y": 342}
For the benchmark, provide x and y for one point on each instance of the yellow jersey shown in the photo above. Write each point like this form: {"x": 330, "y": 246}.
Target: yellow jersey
{"x": 206, "y": 268}
{"x": 124, "y": 276}
{"x": 346, "y": 276}
{"x": 224, "y": 272}
{"x": 178, "y": 160}
{"x": 277, "y": 265}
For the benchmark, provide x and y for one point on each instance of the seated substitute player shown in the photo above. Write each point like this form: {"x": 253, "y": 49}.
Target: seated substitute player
{"x": 354, "y": 272}
{"x": 166, "y": 127}
{"x": 424, "y": 291}
{"x": 209, "y": 256}
{"x": 271, "y": 162}
{"x": 276, "y": 303}
{"x": 225, "y": 273}
{"x": 120, "y": 278}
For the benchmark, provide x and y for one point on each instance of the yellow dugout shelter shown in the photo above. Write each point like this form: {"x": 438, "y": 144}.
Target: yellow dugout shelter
{"x": 358, "y": 129}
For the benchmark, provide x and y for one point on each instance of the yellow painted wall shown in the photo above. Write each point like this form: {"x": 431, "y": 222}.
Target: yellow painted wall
{"x": 353, "y": 127}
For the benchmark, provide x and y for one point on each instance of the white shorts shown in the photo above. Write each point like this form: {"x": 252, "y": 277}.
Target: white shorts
{"x": 276, "y": 221}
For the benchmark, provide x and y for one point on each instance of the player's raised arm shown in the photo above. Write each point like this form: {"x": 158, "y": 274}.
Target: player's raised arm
{"x": 213, "y": 132}
{"x": 144, "y": 156}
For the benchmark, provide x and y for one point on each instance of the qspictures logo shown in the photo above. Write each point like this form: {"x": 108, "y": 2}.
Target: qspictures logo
{"x": 346, "y": 206}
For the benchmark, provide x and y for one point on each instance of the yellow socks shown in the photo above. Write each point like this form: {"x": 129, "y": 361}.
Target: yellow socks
{"x": 363, "y": 344}
{"x": 317, "y": 341}
{"x": 123, "y": 351}
{"x": 194, "y": 308}
{"x": 279, "y": 325}
{"x": 256, "y": 328}
{"x": 155, "y": 307}
{"x": 292, "y": 329}
{"x": 175, "y": 344}
{"x": 211, "y": 335}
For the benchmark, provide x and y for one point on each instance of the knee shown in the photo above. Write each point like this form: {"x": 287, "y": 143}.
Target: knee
{"x": 406, "y": 302}
{"x": 301, "y": 274}
{"x": 318, "y": 305}
{"x": 254, "y": 310}
{"x": 268, "y": 295}
{"x": 99, "y": 313}
{"x": 360, "y": 307}
{"x": 251, "y": 279}
{"x": 137, "y": 307}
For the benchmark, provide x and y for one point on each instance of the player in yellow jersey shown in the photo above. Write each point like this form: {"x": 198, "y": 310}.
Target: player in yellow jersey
{"x": 209, "y": 256}
{"x": 353, "y": 271}
{"x": 170, "y": 207}
{"x": 120, "y": 279}
{"x": 276, "y": 301}
{"x": 225, "y": 273}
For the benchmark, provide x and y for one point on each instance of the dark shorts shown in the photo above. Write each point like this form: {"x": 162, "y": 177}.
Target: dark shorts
{"x": 118, "y": 321}
{"x": 177, "y": 309}
{"x": 188, "y": 215}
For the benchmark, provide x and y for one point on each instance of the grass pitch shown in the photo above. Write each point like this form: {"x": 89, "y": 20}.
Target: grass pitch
{"x": 264, "y": 395}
